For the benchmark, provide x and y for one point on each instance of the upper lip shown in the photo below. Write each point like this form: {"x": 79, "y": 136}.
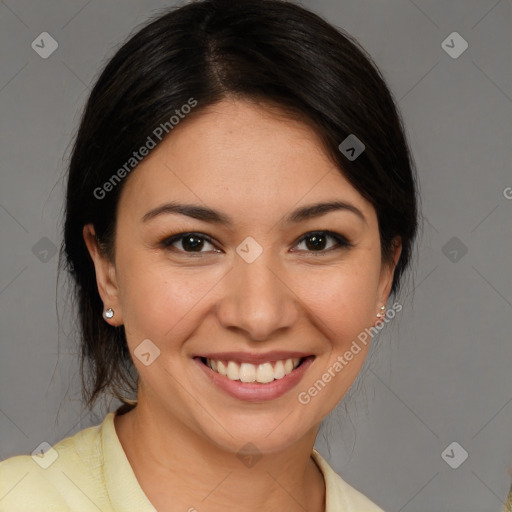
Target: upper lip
{"x": 252, "y": 357}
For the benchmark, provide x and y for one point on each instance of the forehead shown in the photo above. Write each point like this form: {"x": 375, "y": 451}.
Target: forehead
{"x": 239, "y": 153}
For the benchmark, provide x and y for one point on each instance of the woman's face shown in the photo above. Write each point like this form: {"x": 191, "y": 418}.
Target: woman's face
{"x": 263, "y": 278}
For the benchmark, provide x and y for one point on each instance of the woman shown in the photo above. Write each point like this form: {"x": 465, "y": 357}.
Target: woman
{"x": 241, "y": 205}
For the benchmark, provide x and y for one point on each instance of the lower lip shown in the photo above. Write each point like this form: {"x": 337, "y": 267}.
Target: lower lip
{"x": 255, "y": 391}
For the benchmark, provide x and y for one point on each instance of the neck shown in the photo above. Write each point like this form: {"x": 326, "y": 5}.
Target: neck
{"x": 180, "y": 470}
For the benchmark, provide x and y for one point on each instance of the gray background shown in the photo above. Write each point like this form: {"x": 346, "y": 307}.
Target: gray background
{"x": 441, "y": 371}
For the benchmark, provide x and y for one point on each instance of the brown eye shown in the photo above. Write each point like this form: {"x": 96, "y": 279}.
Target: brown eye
{"x": 318, "y": 240}
{"x": 190, "y": 242}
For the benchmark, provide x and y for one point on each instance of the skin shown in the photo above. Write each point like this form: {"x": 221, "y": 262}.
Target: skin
{"x": 256, "y": 166}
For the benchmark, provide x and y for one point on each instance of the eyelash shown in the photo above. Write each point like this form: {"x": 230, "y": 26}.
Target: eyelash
{"x": 341, "y": 242}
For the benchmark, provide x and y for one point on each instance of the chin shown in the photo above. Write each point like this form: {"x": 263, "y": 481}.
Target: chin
{"x": 264, "y": 433}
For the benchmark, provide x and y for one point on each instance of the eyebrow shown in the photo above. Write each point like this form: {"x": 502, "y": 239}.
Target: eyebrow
{"x": 216, "y": 217}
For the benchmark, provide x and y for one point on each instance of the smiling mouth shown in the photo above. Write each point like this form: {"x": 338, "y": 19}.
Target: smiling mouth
{"x": 262, "y": 373}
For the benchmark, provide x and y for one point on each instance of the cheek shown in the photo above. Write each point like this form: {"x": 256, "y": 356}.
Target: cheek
{"x": 163, "y": 303}
{"x": 342, "y": 300}
{"x": 159, "y": 304}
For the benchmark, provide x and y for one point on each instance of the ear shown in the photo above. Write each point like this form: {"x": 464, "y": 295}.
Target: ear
{"x": 105, "y": 276}
{"x": 387, "y": 273}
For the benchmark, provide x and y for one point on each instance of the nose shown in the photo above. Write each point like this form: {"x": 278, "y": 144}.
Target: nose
{"x": 257, "y": 300}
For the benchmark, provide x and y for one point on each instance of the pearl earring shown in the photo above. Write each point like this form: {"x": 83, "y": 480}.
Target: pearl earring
{"x": 382, "y": 312}
{"x": 109, "y": 313}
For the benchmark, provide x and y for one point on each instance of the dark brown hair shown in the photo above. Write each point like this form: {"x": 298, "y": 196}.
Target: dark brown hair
{"x": 268, "y": 51}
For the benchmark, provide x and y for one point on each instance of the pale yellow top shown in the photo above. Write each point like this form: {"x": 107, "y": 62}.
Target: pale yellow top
{"x": 90, "y": 471}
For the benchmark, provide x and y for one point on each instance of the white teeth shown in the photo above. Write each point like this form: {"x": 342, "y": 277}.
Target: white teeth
{"x": 247, "y": 372}
{"x": 279, "y": 370}
{"x": 233, "y": 371}
{"x": 265, "y": 373}
{"x": 221, "y": 368}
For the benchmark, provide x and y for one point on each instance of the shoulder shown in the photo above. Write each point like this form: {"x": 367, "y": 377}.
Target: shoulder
{"x": 508, "y": 505}
{"x": 339, "y": 495}
{"x": 69, "y": 475}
